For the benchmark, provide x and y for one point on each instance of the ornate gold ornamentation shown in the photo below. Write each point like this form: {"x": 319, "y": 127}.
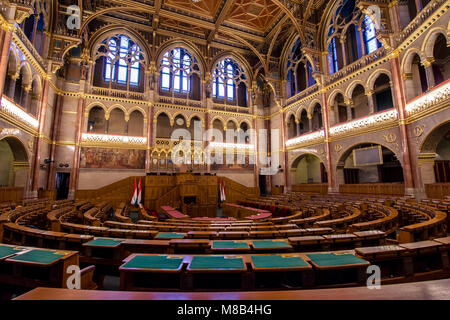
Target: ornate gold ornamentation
{"x": 390, "y": 137}
{"x": 30, "y": 145}
{"x": 337, "y": 148}
{"x": 418, "y": 130}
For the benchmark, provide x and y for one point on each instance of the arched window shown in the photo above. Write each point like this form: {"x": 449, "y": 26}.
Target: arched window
{"x": 180, "y": 74}
{"x": 298, "y": 70}
{"x": 317, "y": 118}
{"x": 119, "y": 60}
{"x": 344, "y": 41}
{"x": 383, "y": 93}
{"x": 304, "y": 122}
{"x": 332, "y": 56}
{"x": 123, "y": 61}
{"x": 96, "y": 120}
{"x": 230, "y": 83}
{"x": 370, "y": 40}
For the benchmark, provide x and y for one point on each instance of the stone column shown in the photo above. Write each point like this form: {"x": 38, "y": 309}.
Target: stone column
{"x": 409, "y": 86}
{"x": 39, "y": 140}
{"x": 148, "y": 122}
{"x": 4, "y": 54}
{"x": 256, "y": 152}
{"x": 206, "y": 126}
{"x": 370, "y": 100}
{"x": 397, "y": 26}
{"x": 12, "y": 85}
{"x": 428, "y": 65}
{"x": 326, "y": 127}
{"x": 25, "y": 101}
{"x": 76, "y": 155}
{"x": 344, "y": 57}
{"x": 54, "y": 136}
{"x": 287, "y": 183}
{"x": 361, "y": 39}
{"x": 398, "y": 92}
{"x": 34, "y": 104}
{"x": 349, "y": 105}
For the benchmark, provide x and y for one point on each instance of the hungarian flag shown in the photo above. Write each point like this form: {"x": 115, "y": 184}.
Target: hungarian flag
{"x": 139, "y": 197}
{"x": 135, "y": 195}
{"x": 222, "y": 190}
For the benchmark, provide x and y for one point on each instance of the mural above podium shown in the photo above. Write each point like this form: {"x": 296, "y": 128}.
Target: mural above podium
{"x": 112, "y": 158}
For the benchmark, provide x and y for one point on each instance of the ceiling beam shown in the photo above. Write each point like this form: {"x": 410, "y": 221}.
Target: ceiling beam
{"x": 275, "y": 27}
{"x": 172, "y": 15}
{"x": 156, "y": 15}
{"x": 220, "y": 18}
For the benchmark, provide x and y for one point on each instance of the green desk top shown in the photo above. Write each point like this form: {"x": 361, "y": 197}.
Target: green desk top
{"x": 172, "y": 235}
{"x": 6, "y": 251}
{"x": 278, "y": 261}
{"x": 230, "y": 245}
{"x": 37, "y": 256}
{"x": 331, "y": 259}
{"x": 153, "y": 262}
{"x": 216, "y": 262}
{"x": 270, "y": 244}
{"x": 103, "y": 242}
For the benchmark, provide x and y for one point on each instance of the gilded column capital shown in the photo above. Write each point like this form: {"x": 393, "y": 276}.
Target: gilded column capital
{"x": 427, "y": 62}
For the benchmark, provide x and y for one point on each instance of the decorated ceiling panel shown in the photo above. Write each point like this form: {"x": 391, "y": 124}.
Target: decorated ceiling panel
{"x": 207, "y": 8}
{"x": 258, "y": 15}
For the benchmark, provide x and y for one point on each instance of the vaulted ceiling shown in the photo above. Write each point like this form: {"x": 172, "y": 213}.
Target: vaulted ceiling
{"x": 256, "y": 28}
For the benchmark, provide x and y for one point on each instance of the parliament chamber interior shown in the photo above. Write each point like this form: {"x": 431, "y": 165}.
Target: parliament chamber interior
{"x": 215, "y": 149}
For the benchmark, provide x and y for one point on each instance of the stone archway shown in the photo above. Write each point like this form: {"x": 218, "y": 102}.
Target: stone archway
{"x": 308, "y": 168}
{"x": 390, "y": 170}
{"x": 434, "y": 155}
{"x": 14, "y": 164}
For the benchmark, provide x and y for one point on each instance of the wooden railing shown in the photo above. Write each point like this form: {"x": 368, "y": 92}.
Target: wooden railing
{"x": 437, "y": 190}
{"x": 171, "y": 198}
{"x": 435, "y": 227}
{"x": 47, "y": 194}
{"x": 321, "y": 188}
{"x": 115, "y": 193}
{"x": 117, "y": 93}
{"x": 11, "y": 194}
{"x": 235, "y": 192}
{"x": 373, "y": 188}
{"x": 388, "y": 223}
{"x": 340, "y": 224}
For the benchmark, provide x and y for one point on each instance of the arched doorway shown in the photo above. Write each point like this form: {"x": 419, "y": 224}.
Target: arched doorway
{"x": 369, "y": 163}
{"x": 308, "y": 168}
{"x": 14, "y": 165}
{"x": 434, "y": 156}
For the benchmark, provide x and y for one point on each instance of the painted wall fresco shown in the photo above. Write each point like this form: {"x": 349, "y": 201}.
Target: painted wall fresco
{"x": 112, "y": 158}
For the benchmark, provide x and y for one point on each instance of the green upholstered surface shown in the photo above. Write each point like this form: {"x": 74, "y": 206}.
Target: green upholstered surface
{"x": 277, "y": 261}
{"x": 153, "y": 262}
{"x": 6, "y": 251}
{"x": 216, "y": 262}
{"x": 104, "y": 242}
{"x": 331, "y": 259}
{"x": 37, "y": 256}
{"x": 174, "y": 235}
{"x": 270, "y": 244}
{"x": 230, "y": 245}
